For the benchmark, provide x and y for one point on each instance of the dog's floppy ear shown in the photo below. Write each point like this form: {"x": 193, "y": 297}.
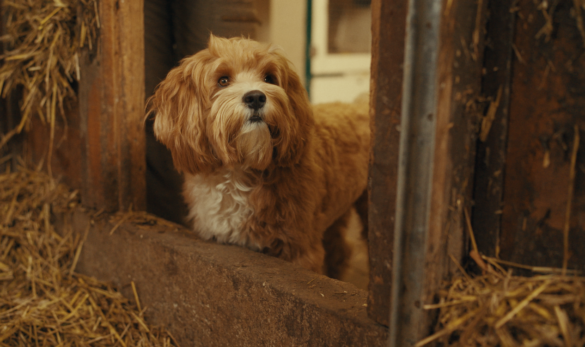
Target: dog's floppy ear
{"x": 179, "y": 104}
{"x": 292, "y": 142}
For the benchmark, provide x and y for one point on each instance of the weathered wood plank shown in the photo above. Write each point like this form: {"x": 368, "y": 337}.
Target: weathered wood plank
{"x": 439, "y": 124}
{"x": 547, "y": 102}
{"x": 388, "y": 33}
{"x": 491, "y": 151}
{"x": 4, "y": 125}
{"x": 111, "y": 102}
{"x": 207, "y": 294}
{"x": 459, "y": 80}
{"x": 9, "y": 118}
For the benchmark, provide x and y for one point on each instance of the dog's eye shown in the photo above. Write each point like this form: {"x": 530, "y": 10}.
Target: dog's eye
{"x": 270, "y": 79}
{"x": 223, "y": 81}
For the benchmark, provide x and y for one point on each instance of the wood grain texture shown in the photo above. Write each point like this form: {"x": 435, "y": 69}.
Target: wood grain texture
{"x": 9, "y": 118}
{"x": 459, "y": 80}
{"x": 388, "y": 33}
{"x": 208, "y": 294}
{"x": 440, "y": 97}
{"x": 111, "y": 103}
{"x": 547, "y": 102}
{"x": 491, "y": 153}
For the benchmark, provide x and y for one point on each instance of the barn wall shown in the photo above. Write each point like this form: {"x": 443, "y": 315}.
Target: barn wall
{"x": 533, "y": 165}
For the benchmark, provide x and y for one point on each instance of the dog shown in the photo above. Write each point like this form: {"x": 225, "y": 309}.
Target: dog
{"x": 263, "y": 169}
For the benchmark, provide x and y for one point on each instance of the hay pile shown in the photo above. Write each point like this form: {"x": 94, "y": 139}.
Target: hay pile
{"x": 42, "y": 41}
{"x": 42, "y": 300}
{"x": 499, "y": 309}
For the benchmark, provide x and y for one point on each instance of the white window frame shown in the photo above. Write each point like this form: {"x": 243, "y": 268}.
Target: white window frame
{"x": 325, "y": 63}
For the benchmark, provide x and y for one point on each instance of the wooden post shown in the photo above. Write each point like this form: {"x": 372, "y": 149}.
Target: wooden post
{"x": 111, "y": 104}
{"x": 388, "y": 33}
{"x": 442, "y": 81}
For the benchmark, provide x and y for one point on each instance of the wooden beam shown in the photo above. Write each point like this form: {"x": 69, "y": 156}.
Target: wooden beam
{"x": 111, "y": 104}
{"x": 442, "y": 80}
{"x": 388, "y": 33}
{"x": 207, "y": 294}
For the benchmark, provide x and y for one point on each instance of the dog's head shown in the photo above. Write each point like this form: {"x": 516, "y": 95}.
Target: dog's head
{"x": 236, "y": 103}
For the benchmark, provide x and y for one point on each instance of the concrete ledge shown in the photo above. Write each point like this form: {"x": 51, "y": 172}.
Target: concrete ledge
{"x": 207, "y": 294}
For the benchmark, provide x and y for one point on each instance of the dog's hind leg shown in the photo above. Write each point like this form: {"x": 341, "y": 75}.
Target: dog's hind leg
{"x": 361, "y": 206}
{"x": 337, "y": 249}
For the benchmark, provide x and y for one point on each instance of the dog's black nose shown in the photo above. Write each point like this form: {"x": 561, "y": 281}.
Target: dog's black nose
{"x": 255, "y": 99}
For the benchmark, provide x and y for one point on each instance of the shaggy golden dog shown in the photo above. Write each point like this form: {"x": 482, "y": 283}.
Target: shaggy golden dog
{"x": 263, "y": 169}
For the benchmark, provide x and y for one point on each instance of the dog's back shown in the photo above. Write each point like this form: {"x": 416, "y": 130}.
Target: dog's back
{"x": 343, "y": 131}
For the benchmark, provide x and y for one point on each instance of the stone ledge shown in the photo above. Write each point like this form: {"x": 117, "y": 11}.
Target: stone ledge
{"x": 208, "y": 294}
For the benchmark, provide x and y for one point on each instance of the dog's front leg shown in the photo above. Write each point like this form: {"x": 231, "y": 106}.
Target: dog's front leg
{"x": 310, "y": 257}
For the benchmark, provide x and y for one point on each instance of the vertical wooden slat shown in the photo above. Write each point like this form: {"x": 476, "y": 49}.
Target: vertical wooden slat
{"x": 9, "y": 116}
{"x": 4, "y": 126}
{"x": 5, "y": 119}
{"x": 111, "y": 103}
{"x": 547, "y": 102}
{"x": 130, "y": 113}
{"x": 388, "y": 32}
{"x": 491, "y": 151}
{"x": 458, "y": 115}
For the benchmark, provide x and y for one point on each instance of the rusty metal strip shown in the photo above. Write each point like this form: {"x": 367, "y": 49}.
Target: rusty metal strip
{"x": 417, "y": 148}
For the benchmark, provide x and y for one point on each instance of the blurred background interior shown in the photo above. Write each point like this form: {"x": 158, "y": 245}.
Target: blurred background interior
{"x": 328, "y": 41}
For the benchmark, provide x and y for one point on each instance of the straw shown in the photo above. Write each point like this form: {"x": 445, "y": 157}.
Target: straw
{"x": 546, "y": 310}
{"x": 42, "y": 40}
{"x": 43, "y": 302}
{"x": 498, "y": 309}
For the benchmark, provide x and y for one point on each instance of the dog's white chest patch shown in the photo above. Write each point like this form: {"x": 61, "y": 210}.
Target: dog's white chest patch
{"x": 218, "y": 207}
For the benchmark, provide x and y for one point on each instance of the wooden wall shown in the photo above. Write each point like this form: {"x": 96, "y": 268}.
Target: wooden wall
{"x": 531, "y": 170}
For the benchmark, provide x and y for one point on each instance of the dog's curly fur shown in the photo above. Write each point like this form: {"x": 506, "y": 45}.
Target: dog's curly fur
{"x": 269, "y": 172}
